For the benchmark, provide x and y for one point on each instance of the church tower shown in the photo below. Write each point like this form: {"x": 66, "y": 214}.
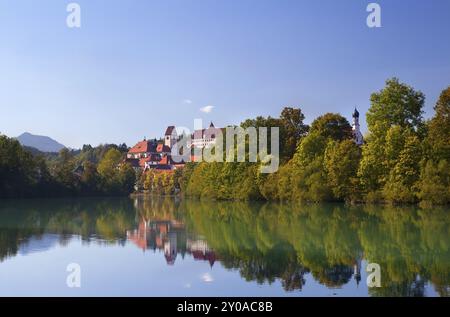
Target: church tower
{"x": 357, "y": 135}
{"x": 170, "y": 137}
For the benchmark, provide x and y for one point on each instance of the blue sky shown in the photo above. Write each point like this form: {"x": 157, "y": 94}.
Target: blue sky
{"x": 127, "y": 71}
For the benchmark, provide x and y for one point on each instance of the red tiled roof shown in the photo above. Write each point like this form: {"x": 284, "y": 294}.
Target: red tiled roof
{"x": 162, "y": 148}
{"x": 164, "y": 161}
{"x": 143, "y": 147}
{"x": 142, "y": 161}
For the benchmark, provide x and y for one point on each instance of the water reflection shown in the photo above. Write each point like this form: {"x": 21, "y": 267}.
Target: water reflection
{"x": 264, "y": 242}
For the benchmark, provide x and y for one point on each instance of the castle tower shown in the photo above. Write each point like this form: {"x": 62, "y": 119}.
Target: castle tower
{"x": 170, "y": 137}
{"x": 357, "y": 135}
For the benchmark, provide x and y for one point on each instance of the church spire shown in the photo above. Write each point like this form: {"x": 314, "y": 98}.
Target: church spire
{"x": 357, "y": 135}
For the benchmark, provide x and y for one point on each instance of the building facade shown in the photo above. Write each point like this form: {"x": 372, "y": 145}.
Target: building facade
{"x": 205, "y": 137}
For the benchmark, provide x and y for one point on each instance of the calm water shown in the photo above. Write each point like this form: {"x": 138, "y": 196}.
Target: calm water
{"x": 145, "y": 247}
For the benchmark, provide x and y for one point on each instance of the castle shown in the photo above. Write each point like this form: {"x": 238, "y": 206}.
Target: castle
{"x": 157, "y": 154}
{"x": 154, "y": 154}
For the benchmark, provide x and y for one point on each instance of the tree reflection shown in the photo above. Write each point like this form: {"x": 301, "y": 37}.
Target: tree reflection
{"x": 264, "y": 242}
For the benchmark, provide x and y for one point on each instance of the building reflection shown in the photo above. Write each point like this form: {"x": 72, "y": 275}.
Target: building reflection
{"x": 170, "y": 236}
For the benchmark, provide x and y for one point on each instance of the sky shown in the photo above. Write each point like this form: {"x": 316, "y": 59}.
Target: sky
{"x": 136, "y": 66}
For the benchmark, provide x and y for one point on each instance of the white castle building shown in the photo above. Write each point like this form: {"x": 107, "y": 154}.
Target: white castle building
{"x": 205, "y": 137}
{"x": 199, "y": 138}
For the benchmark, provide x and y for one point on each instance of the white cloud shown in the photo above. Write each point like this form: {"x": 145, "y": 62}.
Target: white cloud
{"x": 207, "y": 109}
{"x": 207, "y": 278}
{"x": 187, "y": 101}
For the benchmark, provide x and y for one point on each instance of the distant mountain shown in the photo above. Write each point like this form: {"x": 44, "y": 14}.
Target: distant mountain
{"x": 40, "y": 142}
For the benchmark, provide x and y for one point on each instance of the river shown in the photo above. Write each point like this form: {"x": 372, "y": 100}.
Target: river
{"x": 174, "y": 247}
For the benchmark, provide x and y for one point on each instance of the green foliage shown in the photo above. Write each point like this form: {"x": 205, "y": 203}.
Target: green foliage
{"x": 291, "y": 129}
{"x": 108, "y": 165}
{"x": 438, "y": 138}
{"x": 20, "y": 174}
{"x": 434, "y": 186}
{"x": 341, "y": 165}
{"x": 95, "y": 154}
{"x": 224, "y": 181}
{"x": 90, "y": 179}
{"x": 396, "y": 104}
{"x": 23, "y": 174}
{"x": 116, "y": 178}
{"x": 389, "y": 166}
{"x": 309, "y": 178}
{"x": 401, "y": 184}
{"x": 162, "y": 182}
{"x": 332, "y": 126}
{"x": 63, "y": 170}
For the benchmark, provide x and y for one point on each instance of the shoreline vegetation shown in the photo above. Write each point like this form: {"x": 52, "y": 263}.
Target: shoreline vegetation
{"x": 405, "y": 160}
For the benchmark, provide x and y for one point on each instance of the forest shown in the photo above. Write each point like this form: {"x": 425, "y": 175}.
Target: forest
{"x": 90, "y": 171}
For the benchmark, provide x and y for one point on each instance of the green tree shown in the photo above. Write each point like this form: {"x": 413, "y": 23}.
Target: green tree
{"x": 438, "y": 138}
{"x": 396, "y": 104}
{"x": 341, "y": 164}
{"x": 332, "y": 126}
{"x": 127, "y": 178}
{"x": 308, "y": 175}
{"x": 401, "y": 185}
{"x": 293, "y": 129}
{"x": 64, "y": 171}
{"x": 107, "y": 167}
{"x": 109, "y": 171}
{"x": 19, "y": 173}
{"x": 90, "y": 179}
{"x": 434, "y": 186}
{"x": 395, "y": 109}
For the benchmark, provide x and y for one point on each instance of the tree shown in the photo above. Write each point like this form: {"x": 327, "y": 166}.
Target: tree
{"x": 396, "y": 104}
{"x": 64, "y": 171}
{"x": 108, "y": 169}
{"x": 109, "y": 163}
{"x": 127, "y": 178}
{"x": 291, "y": 129}
{"x": 341, "y": 164}
{"x": 90, "y": 179}
{"x": 332, "y": 126}
{"x": 294, "y": 129}
{"x": 401, "y": 184}
{"x": 308, "y": 174}
{"x": 434, "y": 186}
{"x": 438, "y": 138}
{"x": 18, "y": 171}
{"x": 395, "y": 109}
